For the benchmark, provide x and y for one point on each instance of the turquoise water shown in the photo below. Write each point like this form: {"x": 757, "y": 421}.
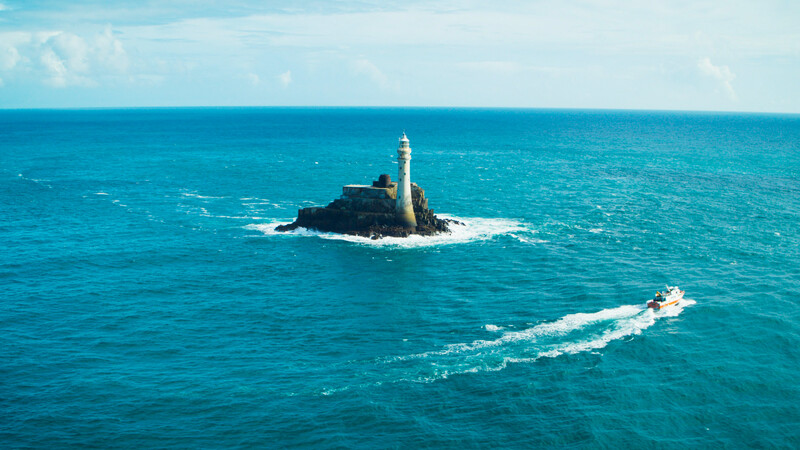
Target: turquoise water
{"x": 146, "y": 301}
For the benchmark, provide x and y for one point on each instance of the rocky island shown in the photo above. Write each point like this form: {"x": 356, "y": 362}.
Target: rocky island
{"x": 386, "y": 208}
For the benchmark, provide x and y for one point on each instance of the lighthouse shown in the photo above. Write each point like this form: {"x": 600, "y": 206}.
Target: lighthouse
{"x": 404, "y": 209}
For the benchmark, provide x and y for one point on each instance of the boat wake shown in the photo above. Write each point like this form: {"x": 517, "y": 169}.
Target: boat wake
{"x": 470, "y": 230}
{"x": 571, "y": 334}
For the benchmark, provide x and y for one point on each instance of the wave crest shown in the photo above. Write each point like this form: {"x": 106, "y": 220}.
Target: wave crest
{"x": 470, "y": 230}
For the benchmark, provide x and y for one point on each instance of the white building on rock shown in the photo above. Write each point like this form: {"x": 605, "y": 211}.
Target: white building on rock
{"x": 404, "y": 207}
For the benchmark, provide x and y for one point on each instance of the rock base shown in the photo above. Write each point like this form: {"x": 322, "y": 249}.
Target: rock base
{"x": 369, "y": 211}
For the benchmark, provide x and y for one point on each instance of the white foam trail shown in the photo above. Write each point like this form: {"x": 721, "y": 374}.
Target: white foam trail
{"x": 193, "y": 195}
{"x": 40, "y": 182}
{"x": 472, "y": 229}
{"x": 101, "y": 193}
{"x": 571, "y": 334}
{"x": 561, "y": 327}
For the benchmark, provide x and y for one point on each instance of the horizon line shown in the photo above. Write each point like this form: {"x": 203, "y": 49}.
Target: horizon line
{"x": 529, "y": 108}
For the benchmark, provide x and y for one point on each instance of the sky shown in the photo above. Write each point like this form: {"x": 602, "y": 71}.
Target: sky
{"x": 617, "y": 54}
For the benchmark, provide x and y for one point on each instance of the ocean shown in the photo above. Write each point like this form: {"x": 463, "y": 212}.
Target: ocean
{"x": 148, "y": 302}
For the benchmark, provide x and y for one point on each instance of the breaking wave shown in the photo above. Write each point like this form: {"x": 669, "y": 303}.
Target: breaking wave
{"x": 470, "y": 230}
{"x": 196, "y": 195}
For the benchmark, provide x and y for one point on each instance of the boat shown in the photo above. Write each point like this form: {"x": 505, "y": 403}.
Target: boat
{"x": 667, "y": 298}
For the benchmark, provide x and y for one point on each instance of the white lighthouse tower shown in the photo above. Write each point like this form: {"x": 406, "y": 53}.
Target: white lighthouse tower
{"x": 404, "y": 209}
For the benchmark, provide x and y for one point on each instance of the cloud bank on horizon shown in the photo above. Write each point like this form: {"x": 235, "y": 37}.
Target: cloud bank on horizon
{"x": 693, "y": 55}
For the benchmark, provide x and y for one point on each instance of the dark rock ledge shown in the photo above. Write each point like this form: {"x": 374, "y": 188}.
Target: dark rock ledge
{"x": 369, "y": 211}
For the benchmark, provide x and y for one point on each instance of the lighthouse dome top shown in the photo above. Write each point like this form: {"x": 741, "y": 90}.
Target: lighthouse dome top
{"x": 403, "y": 138}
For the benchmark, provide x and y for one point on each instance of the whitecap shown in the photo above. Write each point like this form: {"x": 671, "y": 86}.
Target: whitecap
{"x": 468, "y": 230}
{"x": 529, "y": 240}
{"x": 193, "y": 195}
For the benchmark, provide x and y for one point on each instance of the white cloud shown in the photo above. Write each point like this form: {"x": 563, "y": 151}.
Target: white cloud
{"x": 9, "y": 57}
{"x": 72, "y": 50}
{"x": 109, "y": 51}
{"x": 57, "y": 71}
{"x": 592, "y": 26}
{"x": 65, "y": 60}
{"x": 722, "y": 74}
{"x": 61, "y": 59}
{"x": 12, "y": 45}
{"x": 365, "y": 67}
{"x": 285, "y": 78}
{"x": 591, "y": 53}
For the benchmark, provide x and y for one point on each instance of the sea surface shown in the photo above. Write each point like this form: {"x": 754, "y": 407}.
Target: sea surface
{"x": 146, "y": 300}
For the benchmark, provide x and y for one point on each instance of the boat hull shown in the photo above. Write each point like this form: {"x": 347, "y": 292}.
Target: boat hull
{"x": 671, "y": 300}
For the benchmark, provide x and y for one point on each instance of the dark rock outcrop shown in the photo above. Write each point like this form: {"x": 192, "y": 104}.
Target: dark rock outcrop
{"x": 370, "y": 211}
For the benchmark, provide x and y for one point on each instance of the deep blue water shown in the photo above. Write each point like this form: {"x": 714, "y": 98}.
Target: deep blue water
{"x": 146, "y": 302}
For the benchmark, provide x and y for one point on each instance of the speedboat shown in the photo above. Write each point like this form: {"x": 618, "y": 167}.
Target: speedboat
{"x": 663, "y": 299}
